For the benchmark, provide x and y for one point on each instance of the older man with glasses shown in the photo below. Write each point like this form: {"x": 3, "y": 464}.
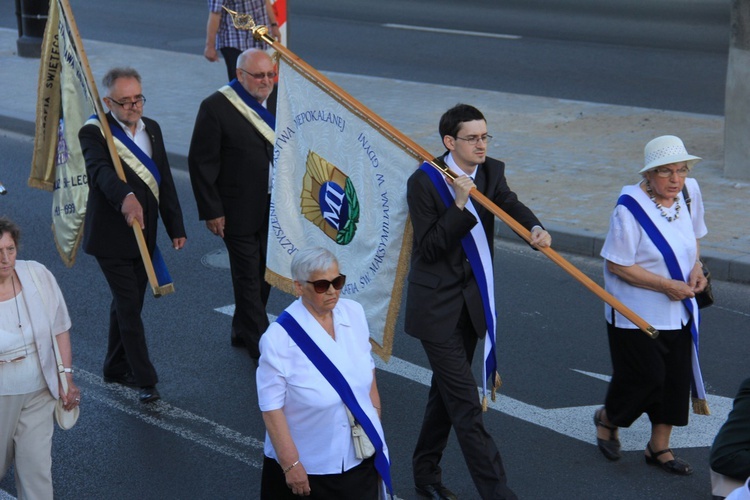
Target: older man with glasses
{"x": 113, "y": 207}
{"x": 230, "y": 170}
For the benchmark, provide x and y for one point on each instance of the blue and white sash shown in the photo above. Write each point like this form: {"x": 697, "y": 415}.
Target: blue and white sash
{"x": 146, "y": 169}
{"x": 253, "y": 111}
{"x": 477, "y": 251}
{"x": 698, "y": 389}
{"x": 341, "y": 386}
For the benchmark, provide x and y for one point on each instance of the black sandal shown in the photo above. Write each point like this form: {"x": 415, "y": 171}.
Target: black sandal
{"x": 675, "y": 466}
{"x": 610, "y": 448}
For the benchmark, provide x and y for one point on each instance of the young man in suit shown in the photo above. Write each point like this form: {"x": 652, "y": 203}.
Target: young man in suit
{"x": 444, "y": 305}
{"x": 113, "y": 207}
{"x": 230, "y": 166}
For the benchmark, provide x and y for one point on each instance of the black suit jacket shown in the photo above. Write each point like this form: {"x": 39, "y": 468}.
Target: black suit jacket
{"x": 441, "y": 279}
{"x": 229, "y": 162}
{"x": 106, "y": 233}
{"x": 730, "y": 453}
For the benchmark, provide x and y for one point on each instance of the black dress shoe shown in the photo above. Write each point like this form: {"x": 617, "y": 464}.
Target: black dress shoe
{"x": 127, "y": 379}
{"x": 435, "y": 491}
{"x": 610, "y": 448}
{"x": 148, "y": 395}
{"x": 674, "y": 466}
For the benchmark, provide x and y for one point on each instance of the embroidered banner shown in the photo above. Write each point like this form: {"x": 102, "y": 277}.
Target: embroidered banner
{"x": 63, "y": 106}
{"x": 340, "y": 184}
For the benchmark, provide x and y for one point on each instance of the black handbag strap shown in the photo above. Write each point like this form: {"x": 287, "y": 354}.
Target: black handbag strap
{"x": 686, "y": 195}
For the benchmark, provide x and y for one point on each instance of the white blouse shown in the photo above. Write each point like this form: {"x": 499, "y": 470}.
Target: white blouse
{"x": 627, "y": 244}
{"x": 24, "y": 376}
{"x": 288, "y": 380}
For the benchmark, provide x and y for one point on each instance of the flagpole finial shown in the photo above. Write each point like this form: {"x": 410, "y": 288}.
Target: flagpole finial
{"x": 247, "y": 23}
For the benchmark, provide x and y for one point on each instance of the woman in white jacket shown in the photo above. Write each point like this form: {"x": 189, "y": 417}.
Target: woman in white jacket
{"x": 32, "y": 309}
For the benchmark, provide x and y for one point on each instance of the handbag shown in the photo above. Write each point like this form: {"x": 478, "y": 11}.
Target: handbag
{"x": 363, "y": 447}
{"x": 706, "y": 297}
{"x": 64, "y": 418}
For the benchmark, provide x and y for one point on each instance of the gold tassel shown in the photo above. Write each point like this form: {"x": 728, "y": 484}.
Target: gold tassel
{"x": 496, "y": 385}
{"x": 700, "y": 407}
{"x": 484, "y": 403}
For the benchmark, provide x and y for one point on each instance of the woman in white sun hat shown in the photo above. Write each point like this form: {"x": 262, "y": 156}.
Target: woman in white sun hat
{"x": 651, "y": 265}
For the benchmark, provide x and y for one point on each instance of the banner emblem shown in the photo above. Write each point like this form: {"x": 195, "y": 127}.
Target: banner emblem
{"x": 329, "y": 200}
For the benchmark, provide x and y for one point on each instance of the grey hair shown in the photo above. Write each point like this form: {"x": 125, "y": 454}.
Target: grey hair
{"x": 310, "y": 260}
{"x": 113, "y": 74}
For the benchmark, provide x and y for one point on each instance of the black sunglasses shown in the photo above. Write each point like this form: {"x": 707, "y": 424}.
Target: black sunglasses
{"x": 321, "y": 286}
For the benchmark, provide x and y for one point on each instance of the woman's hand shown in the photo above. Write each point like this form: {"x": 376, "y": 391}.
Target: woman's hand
{"x": 677, "y": 290}
{"x": 73, "y": 397}
{"x": 697, "y": 280}
{"x": 297, "y": 480}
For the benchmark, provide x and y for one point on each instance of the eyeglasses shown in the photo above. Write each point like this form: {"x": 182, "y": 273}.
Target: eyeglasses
{"x": 321, "y": 286}
{"x": 137, "y": 103}
{"x": 666, "y": 173}
{"x": 259, "y": 76}
{"x": 19, "y": 358}
{"x": 474, "y": 139}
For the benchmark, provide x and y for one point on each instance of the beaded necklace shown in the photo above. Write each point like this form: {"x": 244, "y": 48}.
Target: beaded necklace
{"x": 664, "y": 214}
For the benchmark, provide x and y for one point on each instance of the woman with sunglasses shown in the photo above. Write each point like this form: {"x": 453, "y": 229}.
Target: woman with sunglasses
{"x": 32, "y": 309}
{"x": 652, "y": 266}
{"x": 309, "y": 449}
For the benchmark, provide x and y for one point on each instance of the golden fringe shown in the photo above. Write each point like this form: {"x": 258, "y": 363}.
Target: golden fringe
{"x": 496, "y": 385}
{"x": 484, "y": 403}
{"x": 700, "y": 407}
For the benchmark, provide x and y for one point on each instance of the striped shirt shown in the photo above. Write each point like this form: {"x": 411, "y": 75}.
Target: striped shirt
{"x": 228, "y": 35}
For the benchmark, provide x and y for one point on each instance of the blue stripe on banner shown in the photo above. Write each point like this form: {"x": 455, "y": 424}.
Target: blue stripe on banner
{"x": 120, "y": 134}
{"x": 253, "y": 103}
{"x": 472, "y": 253}
{"x": 160, "y": 268}
{"x": 339, "y": 383}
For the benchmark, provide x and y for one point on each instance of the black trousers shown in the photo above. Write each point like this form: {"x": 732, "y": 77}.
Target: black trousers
{"x": 454, "y": 402}
{"x": 126, "y": 348}
{"x": 230, "y": 55}
{"x": 247, "y": 261}
{"x": 358, "y": 483}
{"x": 649, "y": 376}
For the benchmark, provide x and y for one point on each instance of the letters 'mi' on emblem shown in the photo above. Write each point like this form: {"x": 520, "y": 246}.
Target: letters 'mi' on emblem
{"x": 329, "y": 200}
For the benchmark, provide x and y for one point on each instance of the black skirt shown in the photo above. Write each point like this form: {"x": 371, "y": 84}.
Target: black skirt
{"x": 649, "y": 376}
{"x": 360, "y": 482}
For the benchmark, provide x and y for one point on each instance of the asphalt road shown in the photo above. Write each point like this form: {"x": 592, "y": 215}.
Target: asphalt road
{"x": 663, "y": 54}
{"x": 204, "y": 439}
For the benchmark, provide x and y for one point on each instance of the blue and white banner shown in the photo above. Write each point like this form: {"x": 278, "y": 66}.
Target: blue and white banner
{"x": 340, "y": 184}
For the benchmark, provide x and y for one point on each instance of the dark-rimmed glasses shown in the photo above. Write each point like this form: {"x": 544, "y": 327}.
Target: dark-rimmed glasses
{"x": 321, "y": 286}
{"x": 137, "y": 103}
{"x": 259, "y": 76}
{"x": 474, "y": 139}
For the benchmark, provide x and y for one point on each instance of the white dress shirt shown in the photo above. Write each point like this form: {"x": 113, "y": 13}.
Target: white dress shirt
{"x": 627, "y": 244}
{"x": 288, "y": 380}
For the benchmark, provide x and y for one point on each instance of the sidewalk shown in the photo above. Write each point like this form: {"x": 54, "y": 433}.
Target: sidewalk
{"x": 566, "y": 159}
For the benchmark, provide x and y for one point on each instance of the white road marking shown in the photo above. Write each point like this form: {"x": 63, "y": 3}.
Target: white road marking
{"x": 451, "y": 32}
{"x": 577, "y": 421}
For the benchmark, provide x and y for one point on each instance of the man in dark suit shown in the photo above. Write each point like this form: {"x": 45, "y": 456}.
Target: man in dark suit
{"x": 730, "y": 452}
{"x": 444, "y": 304}
{"x": 230, "y": 164}
{"x": 113, "y": 207}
